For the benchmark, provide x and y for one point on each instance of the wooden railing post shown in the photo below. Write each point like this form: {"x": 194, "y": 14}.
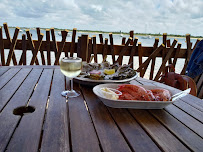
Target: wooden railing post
{"x": 12, "y": 48}
{"x": 48, "y": 47}
{"x": 164, "y": 42}
{"x": 140, "y": 53}
{"x": 112, "y": 47}
{"x": 89, "y": 49}
{"x": 10, "y": 42}
{"x": 2, "y": 47}
{"x": 73, "y": 42}
{"x": 132, "y": 52}
{"x": 153, "y": 59}
{"x": 94, "y": 48}
{"x": 24, "y": 49}
{"x": 41, "y": 51}
{"x": 131, "y": 35}
{"x": 188, "y": 53}
{"x": 83, "y": 47}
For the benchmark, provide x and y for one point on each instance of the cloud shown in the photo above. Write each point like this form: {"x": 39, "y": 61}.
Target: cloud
{"x": 151, "y": 16}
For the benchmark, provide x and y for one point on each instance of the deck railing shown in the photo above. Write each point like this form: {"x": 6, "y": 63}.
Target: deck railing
{"x": 87, "y": 48}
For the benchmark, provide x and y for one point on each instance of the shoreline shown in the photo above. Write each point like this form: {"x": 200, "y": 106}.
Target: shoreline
{"x": 115, "y": 32}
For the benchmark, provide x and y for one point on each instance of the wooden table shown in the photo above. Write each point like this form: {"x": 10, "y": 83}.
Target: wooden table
{"x": 85, "y": 123}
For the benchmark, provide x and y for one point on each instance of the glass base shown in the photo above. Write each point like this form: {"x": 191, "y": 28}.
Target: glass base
{"x": 70, "y": 94}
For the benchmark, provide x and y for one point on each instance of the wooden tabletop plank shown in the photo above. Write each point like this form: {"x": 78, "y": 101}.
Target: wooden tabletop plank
{"x": 27, "y": 134}
{"x": 7, "y": 76}
{"x": 109, "y": 135}
{"x": 194, "y": 101}
{"x": 136, "y": 136}
{"x": 3, "y": 70}
{"x": 8, "y": 120}
{"x": 160, "y": 135}
{"x": 197, "y": 114}
{"x": 10, "y": 88}
{"x": 56, "y": 138}
{"x": 187, "y": 136}
{"x": 83, "y": 134}
{"x": 186, "y": 119}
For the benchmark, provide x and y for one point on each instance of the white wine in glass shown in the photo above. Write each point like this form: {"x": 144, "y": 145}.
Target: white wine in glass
{"x": 71, "y": 67}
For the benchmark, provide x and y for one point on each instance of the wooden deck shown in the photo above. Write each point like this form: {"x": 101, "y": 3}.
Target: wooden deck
{"x": 85, "y": 123}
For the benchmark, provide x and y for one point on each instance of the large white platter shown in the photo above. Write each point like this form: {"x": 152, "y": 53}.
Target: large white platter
{"x": 134, "y": 104}
{"x": 91, "y": 82}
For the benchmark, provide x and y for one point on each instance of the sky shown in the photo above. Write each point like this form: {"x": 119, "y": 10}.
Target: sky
{"x": 142, "y": 16}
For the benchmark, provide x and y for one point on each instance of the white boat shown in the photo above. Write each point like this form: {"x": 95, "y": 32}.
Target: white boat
{"x": 146, "y": 37}
{"x": 121, "y": 35}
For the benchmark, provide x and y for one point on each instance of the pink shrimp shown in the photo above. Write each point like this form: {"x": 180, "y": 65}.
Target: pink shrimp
{"x": 138, "y": 92}
{"x": 161, "y": 94}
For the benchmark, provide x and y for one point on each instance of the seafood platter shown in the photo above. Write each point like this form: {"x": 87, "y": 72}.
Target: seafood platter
{"x": 97, "y": 73}
{"x": 133, "y": 96}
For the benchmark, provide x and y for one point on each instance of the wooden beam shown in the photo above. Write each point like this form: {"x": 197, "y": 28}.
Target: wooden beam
{"x": 12, "y": 47}
{"x": 72, "y": 49}
{"x": 10, "y": 42}
{"x": 2, "y": 47}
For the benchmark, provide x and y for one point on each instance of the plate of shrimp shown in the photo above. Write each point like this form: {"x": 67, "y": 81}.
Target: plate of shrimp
{"x": 133, "y": 96}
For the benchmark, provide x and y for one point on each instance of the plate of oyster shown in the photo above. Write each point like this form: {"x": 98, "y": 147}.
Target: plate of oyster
{"x": 98, "y": 73}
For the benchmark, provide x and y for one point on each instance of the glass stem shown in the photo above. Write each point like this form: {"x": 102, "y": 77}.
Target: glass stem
{"x": 71, "y": 84}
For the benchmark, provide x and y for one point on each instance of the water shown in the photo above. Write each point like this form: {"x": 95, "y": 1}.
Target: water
{"x": 116, "y": 37}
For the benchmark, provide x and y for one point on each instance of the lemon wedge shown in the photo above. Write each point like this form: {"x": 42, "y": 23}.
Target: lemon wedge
{"x": 110, "y": 93}
{"x": 109, "y": 71}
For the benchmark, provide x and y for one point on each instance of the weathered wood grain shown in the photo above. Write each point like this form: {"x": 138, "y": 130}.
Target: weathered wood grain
{"x": 8, "y": 120}
{"x": 8, "y": 76}
{"x": 109, "y": 135}
{"x": 27, "y": 135}
{"x": 83, "y": 134}
{"x": 160, "y": 135}
{"x": 56, "y": 138}
{"x": 10, "y": 88}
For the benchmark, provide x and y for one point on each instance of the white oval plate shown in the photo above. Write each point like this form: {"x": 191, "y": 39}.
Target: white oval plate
{"x": 91, "y": 82}
{"x": 133, "y": 104}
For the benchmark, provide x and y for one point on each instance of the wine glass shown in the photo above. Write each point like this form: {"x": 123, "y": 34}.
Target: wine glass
{"x": 71, "y": 67}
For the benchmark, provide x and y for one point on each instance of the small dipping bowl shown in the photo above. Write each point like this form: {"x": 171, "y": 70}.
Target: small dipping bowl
{"x": 110, "y": 93}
